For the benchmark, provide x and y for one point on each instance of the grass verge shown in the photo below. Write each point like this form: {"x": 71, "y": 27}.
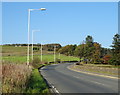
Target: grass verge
{"x": 102, "y": 69}
{"x": 36, "y": 84}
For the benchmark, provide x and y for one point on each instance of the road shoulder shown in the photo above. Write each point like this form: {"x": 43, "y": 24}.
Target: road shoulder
{"x": 71, "y": 67}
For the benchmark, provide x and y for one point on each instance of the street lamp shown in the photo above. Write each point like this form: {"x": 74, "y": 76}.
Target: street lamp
{"x": 41, "y": 52}
{"x": 29, "y": 10}
{"x": 33, "y": 39}
{"x": 54, "y": 53}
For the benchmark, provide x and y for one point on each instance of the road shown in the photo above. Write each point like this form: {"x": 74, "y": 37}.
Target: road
{"x": 68, "y": 81}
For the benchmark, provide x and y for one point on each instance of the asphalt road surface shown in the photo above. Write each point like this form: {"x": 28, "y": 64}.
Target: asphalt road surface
{"x": 68, "y": 81}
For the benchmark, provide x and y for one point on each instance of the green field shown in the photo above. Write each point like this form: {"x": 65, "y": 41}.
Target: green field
{"x": 45, "y": 58}
{"x": 19, "y": 51}
{"x": 17, "y": 55}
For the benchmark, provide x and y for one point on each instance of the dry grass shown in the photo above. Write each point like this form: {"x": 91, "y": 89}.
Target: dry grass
{"x": 97, "y": 69}
{"x": 0, "y": 78}
{"x": 14, "y": 78}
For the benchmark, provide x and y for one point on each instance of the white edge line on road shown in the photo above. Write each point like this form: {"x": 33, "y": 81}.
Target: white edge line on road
{"x": 90, "y": 81}
{"x": 94, "y": 74}
{"x": 55, "y": 89}
{"x": 97, "y": 82}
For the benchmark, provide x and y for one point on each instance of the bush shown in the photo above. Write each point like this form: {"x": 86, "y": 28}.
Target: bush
{"x": 58, "y": 60}
{"x": 36, "y": 62}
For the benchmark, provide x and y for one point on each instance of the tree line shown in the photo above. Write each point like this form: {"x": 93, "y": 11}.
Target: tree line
{"x": 92, "y": 52}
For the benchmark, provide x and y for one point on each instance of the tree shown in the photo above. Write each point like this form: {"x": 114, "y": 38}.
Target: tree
{"x": 97, "y": 53}
{"x": 89, "y": 41}
{"x": 105, "y": 51}
{"x": 116, "y": 44}
{"x": 79, "y": 51}
{"x": 106, "y": 58}
{"x": 67, "y": 50}
{"x": 115, "y": 60}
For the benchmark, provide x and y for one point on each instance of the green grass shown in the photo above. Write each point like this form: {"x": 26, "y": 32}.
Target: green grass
{"x": 46, "y": 58}
{"x": 36, "y": 83}
{"x": 17, "y": 55}
{"x": 12, "y": 50}
{"x": 14, "y": 59}
{"x": 18, "y": 51}
{"x": 50, "y": 58}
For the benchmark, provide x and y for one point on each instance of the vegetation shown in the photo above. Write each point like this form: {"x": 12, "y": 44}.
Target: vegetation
{"x": 67, "y": 50}
{"x": 36, "y": 84}
{"x": 98, "y": 68}
{"x": 15, "y": 77}
{"x": 92, "y": 52}
{"x": 115, "y": 60}
{"x": 45, "y": 58}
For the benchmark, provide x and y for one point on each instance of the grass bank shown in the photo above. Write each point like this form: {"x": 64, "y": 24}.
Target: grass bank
{"x": 36, "y": 84}
{"x": 95, "y": 68}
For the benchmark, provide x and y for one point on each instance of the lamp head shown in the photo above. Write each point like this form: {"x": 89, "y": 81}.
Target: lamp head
{"x": 42, "y": 9}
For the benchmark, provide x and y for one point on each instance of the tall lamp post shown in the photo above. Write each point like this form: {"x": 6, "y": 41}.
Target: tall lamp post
{"x": 29, "y": 10}
{"x": 54, "y": 53}
{"x": 33, "y": 39}
{"x": 41, "y": 52}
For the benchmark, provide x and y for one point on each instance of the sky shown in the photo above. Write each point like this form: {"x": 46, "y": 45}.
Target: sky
{"x": 62, "y": 22}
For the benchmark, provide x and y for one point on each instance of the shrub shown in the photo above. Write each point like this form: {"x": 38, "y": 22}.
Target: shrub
{"x": 58, "y": 60}
{"x": 36, "y": 62}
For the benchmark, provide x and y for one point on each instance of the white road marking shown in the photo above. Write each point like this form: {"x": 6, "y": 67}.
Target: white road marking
{"x": 56, "y": 90}
{"x": 97, "y": 82}
{"x": 54, "y": 64}
{"x": 76, "y": 77}
{"x": 42, "y": 68}
{"x": 89, "y": 81}
{"x": 53, "y": 87}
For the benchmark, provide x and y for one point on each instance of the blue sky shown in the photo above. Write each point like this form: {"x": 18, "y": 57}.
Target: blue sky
{"x": 64, "y": 23}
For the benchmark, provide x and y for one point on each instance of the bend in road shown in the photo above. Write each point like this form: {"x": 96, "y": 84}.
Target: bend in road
{"x": 67, "y": 81}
